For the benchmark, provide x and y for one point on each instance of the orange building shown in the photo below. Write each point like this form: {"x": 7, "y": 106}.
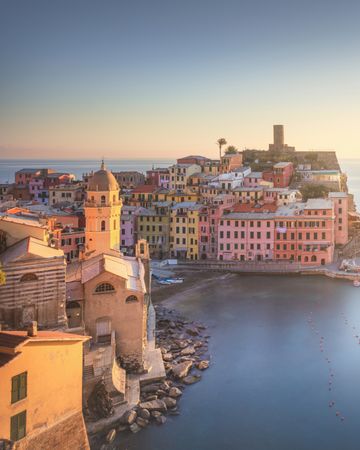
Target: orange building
{"x": 41, "y": 390}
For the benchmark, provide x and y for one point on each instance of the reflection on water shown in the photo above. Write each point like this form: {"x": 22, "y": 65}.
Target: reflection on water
{"x": 268, "y": 386}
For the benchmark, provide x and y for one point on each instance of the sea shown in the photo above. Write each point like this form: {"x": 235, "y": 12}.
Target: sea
{"x": 78, "y": 167}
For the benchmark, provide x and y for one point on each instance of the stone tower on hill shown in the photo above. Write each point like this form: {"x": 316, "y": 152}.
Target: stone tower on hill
{"x": 279, "y": 142}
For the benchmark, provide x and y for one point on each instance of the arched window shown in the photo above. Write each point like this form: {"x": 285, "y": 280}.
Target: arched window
{"x": 114, "y": 198}
{"x": 313, "y": 258}
{"x": 306, "y": 259}
{"x": 114, "y": 224}
{"x": 103, "y": 225}
{"x": 28, "y": 277}
{"x": 103, "y": 199}
{"x": 131, "y": 299}
{"x": 104, "y": 287}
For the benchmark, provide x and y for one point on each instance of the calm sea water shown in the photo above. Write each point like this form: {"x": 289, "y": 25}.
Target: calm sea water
{"x": 268, "y": 385}
{"x": 8, "y": 167}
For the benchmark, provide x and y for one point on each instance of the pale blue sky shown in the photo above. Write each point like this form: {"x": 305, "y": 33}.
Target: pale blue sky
{"x": 163, "y": 78}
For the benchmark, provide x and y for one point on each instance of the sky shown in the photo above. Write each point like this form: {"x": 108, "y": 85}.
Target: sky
{"x": 143, "y": 79}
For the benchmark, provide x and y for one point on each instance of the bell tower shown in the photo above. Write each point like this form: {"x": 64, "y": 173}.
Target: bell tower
{"x": 102, "y": 213}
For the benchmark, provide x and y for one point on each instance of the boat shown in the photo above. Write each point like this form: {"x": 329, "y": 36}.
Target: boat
{"x": 175, "y": 280}
{"x": 356, "y": 283}
{"x": 163, "y": 282}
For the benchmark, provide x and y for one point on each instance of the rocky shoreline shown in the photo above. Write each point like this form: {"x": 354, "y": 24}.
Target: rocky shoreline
{"x": 184, "y": 348}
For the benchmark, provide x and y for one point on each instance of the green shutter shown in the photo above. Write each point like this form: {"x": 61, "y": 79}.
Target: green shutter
{"x": 14, "y": 389}
{"x": 18, "y": 426}
{"x": 14, "y": 428}
{"x": 23, "y": 385}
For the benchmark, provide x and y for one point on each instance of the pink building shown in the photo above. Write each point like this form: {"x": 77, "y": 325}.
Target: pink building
{"x": 37, "y": 190}
{"x": 253, "y": 179}
{"x": 304, "y": 232}
{"x": 246, "y": 236}
{"x": 340, "y": 201}
{"x": 209, "y": 218}
{"x": 128, "y": 229}
{"x": 280, "y": 174}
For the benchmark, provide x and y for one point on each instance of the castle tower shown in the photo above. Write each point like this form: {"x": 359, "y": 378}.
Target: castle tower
{"x": 279, "y": 136}
{"x": 102, "y": 213}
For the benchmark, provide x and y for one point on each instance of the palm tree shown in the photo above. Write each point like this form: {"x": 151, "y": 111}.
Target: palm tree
{"x": 221, "y": 142}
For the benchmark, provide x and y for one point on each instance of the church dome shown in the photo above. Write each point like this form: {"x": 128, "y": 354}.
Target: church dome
{"x": 103, "y": 180}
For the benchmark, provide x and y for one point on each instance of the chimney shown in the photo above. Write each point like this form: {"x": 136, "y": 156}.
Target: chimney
{"x": 32, "y": 329}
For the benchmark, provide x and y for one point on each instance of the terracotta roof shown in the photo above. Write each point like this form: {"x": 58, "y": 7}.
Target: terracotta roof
{"x": 146, "y": 188}
{"x": 5, "y": 358}
{"x": 248, "y": 207}
{"x": 10, "y": 339}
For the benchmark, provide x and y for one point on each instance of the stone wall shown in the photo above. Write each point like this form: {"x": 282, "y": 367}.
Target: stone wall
{"x": 69, "y": 434}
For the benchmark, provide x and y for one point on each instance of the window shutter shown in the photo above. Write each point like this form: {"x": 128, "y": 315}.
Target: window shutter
{"x": 23, "y": 385}
{"x": 14, "y": 389}
{"x": 22, "y": 425}
{"x": 14, "y": 428}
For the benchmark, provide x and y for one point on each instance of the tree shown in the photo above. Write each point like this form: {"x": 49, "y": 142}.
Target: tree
{"x": 312, "y": 190}
{"x": 231, "y": 150}
{"x": 221, "y": 142}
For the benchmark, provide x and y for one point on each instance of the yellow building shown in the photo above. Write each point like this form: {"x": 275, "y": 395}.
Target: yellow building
{"x": 180, "y": 197}
{"x": 153, "y": 225}
{"x": 184, "y": 230}
{"x": 102, "y": 213}
{"x": 41, "y": 390}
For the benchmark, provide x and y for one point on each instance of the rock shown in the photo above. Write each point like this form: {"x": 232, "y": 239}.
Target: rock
{"x": 192, "y": 331}
{"x": 182, "y": 369}
{"x": 128, "y": 418}
{"x": 157, "y": 405}
{"x": 150, "y": 387}
{"x": 160, "y": 420}
{"x": 151, "y": 397}
{"x": 175, "y": 392}
{"x": 135, "y": 427}
{"x": 167, "y": 357}
{"x": 144, "y": 413}
{"x": 161, "y": 393}
{"x": 110, "y": 437}
{"x": 202, "y": 365}
{"x": 191, "y": 379}
{"x": 155, "y": 414}
{"x": 122, "y": 428}
{"x": 188, "y": 351}
{"x": 169, "y": 402}
{"x": 142, "y": 422}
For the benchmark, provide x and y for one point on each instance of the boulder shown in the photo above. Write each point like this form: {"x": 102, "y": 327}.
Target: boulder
{"x": 144, "y": 413}
{"x": 155, "y": 414}
{"x": 142, "y": 422}
{"x": 191, "y": 379}
{"x": 122, "y": 428}
{"x": 168, "y": 357}
{"x": 110, "y": 437}
{"x": 150, "y": 387}
{"x": 182, "y": 369}
{"x": 160, "y": 420}
{"x": 192, "y": 331}
{"x": 202, "y": 365}
{"x": 190, "y": 350}
{"x": 175, "y": 392}
{"x": 154, "y": 405}
{"x": 128, "y": 418}
{"x": 135, "y": 427}
{"x": 169, "y": 402}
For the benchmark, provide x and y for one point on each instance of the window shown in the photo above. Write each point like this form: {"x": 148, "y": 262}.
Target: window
{"x": 18, "y": 387}
{"x": 28, "y": 277}
{"x": 103, "y": 200}
{"x": 131, "y": 299}
{"x": 104, "y": 287}
{"x": 103, "y": 225}
{"x": 18, "y": 426}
